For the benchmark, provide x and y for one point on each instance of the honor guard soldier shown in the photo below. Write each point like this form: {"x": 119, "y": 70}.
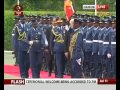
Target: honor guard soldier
{"x": 88, "y": 45}
{"x": 100, "y": 46}
{"x": 95, "y": 59}
{"x": 20, "y": 35}
{"x": 76, "y": 50}
{"x": 84, "y": 30}
{"x": 112, "y": 52}
{"x": 15, "y": 44}
{"x": 106, "y": 49}
{"x": 37, "y": 41}
{"x": 58, "y": 38}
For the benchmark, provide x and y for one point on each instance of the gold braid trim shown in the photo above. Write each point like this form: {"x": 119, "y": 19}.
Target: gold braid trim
{"x": 73, "y": 43}
{"x": 58, "y": 37}
{"x": 21, "y": 35}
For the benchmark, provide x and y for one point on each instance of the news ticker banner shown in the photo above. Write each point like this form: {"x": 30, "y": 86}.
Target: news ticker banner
{"x": 58, "y": 81}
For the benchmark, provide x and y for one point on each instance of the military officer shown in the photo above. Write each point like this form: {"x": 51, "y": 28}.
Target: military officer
{"x": 20, "y": 35}
{"x": 76, "y": 50}
{"x": 15, "y": 44}
{"x": 37, "y": 40}
{"x": 48, "y": 55}
{"x": 58, "y": 38}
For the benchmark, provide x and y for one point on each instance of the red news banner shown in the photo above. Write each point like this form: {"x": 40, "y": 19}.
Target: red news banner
{"x": 23, "y": 81}
{"x": 14, "y": 81}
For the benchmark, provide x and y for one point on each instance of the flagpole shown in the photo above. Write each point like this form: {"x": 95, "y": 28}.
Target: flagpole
{"x": 18, "y": 2}
{"x": 95, "y": 7}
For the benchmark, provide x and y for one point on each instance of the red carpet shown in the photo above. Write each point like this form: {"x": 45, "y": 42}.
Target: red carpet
{"x": 14, "y": 70}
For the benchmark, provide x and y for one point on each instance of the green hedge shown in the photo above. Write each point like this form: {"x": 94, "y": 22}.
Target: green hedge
{"x": 9, "y": 23}
{"x": 33, "y": 5}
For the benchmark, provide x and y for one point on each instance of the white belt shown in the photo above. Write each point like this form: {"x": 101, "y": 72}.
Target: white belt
{"x": 100, "y": 41}
{"x": 105, "y": 42}
{"x": 88, "y": 41}
{"x": 84, "y": 39}
{"x": 95, "y": 40}
{"x": 113, "y": 42}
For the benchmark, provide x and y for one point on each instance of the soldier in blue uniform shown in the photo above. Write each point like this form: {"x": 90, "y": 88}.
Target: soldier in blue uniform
{"x": 106, "y": 49}
{"x": 76, "y": 50}
{"x": 112, "y": 53}
{"x": 20, "y": 37}
{"x": 48, "y": 56}
{"x": 58, "y": 38}
{"x": 100, "y": 46}
{"x": 84, "y": 30}
{"x": 88, "y": 45}
{"x": 95, "y": 60}
{"x": 37, "y": 41}
{"x": 15, "y": 44}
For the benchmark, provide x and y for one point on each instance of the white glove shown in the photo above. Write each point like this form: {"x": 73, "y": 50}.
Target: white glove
{"x": 79, "y": 61}
{"x": 109, "y": 55}
{"x": 66, "y": 54}
{"x": 30, "y": 42}
{"x": 98, "y": 53}
{"x": 92, "y": 53}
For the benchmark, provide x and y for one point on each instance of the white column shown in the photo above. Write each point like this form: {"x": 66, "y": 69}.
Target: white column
{"x": 95, "y": 7}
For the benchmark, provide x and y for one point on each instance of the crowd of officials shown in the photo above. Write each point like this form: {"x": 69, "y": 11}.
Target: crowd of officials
{"x": 85, "y": 46}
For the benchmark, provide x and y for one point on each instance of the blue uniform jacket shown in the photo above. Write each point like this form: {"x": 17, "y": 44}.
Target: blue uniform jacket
{"x": 113, "y": 42}
{"x": 106, "y": 41}
{"x": 78, "y": 50}
{"x": 22, "y": 43}
{"x": 89, "y": 38}
{"x": 58, "y": 47}
{"x": 39, "y": 36}
{"x": 100, "y": 40}
{"x": 95, "y": 40}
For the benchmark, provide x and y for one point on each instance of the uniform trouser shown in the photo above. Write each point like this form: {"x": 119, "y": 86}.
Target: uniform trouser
{"x": 88, "y": 61}
{"x": 16, "y": 55}
{"x": 96, "y": 66}
{"x": 113, "y": 58}
{"x": 76, "y": 69}
{"x": 107, "y": 67}
{"x": 60, "y": 63}
{"x": 99, "y": 70}
{"x": 49, "y": 59}
{"x": 35, "y": 63}
{"x": 23, "y": 63}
